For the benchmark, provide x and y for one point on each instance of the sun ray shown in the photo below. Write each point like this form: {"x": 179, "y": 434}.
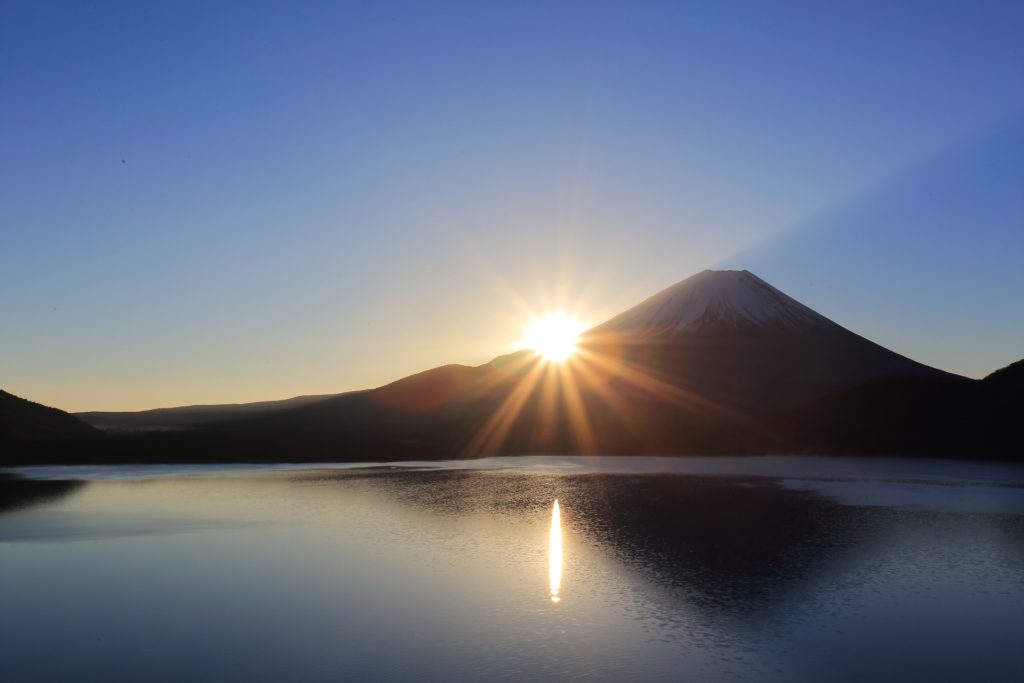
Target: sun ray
{"x": 579, "y": 422}
{"x": 494, "y": 431}
{"x": 549, "y": 404}
{"x": 573, "y": 383}
{"x": 642, "y": 379}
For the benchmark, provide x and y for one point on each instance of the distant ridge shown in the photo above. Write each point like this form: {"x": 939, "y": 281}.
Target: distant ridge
{"x": 190, "y": 417}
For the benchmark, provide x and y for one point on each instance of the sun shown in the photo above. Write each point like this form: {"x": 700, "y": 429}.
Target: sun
{"x": 554, "y": 336}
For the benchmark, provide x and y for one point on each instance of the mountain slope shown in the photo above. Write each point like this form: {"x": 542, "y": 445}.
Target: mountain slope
{"x": 712, "y": 299}
{"x": 22, "y": 421}
{"x": 740, "y": 342}
{"x": 190, "y": 417}
{"x": 931, "y": 416}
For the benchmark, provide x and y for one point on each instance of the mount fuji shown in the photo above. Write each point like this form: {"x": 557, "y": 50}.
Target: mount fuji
{"x": 733, "y": 338}
{"x": 715, "y": 299}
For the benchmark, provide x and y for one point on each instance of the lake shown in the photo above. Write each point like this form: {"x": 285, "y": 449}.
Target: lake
{"x": 759, "y": 569}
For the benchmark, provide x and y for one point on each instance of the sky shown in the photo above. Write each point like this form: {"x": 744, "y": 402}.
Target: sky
{"x": 225, "y": 202}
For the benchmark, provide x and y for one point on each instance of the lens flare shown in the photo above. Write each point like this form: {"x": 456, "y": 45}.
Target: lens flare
{"x": 554, "y": 336}
{"x": 555, "y": 554}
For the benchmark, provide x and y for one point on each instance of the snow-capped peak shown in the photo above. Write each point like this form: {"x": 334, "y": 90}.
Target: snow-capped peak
{"x": 713, "y": 299}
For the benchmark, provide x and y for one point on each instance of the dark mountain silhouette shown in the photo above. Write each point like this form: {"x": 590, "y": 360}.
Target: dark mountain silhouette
{"x": 190, "y": 417}
{"x": 719, "y": 363}
{"x": 704, "y": 366}
{"x": 931, "y": 416}
{"x": 28, "y": 425}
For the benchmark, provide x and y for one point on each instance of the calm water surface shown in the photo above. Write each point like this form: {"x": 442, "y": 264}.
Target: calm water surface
{"x": 757, "y": 569}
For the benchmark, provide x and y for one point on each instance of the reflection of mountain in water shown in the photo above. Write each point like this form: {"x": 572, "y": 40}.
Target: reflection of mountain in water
{"x": 733, "y": 548}
{"x": 729, "y": 547}
{"x": 17, "y": 492}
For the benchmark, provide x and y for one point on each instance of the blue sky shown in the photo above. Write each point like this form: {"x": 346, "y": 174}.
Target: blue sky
{"x": 207, "y": 202}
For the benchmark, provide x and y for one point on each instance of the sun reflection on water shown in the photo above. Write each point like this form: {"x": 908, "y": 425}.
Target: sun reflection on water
{"x": 555, "y": 553}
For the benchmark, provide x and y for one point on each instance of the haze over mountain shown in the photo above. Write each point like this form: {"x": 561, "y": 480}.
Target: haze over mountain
{"x": 721, "y": 362}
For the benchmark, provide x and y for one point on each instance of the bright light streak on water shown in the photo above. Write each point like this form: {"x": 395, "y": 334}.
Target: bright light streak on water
{"x": 555, "y": 553}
